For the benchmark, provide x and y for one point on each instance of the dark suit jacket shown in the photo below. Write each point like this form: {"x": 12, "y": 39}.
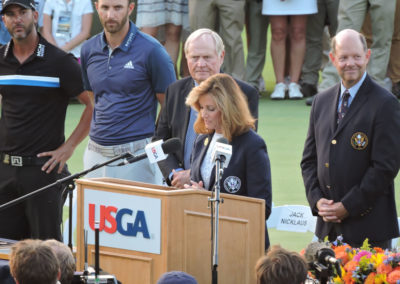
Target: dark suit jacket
{"x": 248, "y": 172}
{"x": 174, "y": 118}
{"x": 359, "y": 173}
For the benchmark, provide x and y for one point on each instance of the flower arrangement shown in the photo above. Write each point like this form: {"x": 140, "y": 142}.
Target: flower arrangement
{"x": 366, "y": 265}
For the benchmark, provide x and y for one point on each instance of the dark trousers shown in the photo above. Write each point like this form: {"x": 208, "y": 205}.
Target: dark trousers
{"x": 37, "y": 217}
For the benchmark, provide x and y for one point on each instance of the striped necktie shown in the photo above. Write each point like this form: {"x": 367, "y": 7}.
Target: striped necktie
{"x": 344, "y": 107}
{"x": 189, "y": 140}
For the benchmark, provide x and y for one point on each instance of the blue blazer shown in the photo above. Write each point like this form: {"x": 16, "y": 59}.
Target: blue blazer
{"x": 248, "y": 172}
{"x": 355, "y": 162}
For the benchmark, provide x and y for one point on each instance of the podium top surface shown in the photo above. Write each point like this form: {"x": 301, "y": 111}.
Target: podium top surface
{"x": 127, "y": 185}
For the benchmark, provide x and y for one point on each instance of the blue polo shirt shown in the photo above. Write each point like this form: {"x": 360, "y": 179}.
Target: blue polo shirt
{"x": 125, "y": 82}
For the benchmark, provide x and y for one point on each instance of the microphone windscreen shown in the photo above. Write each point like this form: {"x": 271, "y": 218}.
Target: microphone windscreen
{"x": 172, "y": 145}
{"x": 312, "y": 249}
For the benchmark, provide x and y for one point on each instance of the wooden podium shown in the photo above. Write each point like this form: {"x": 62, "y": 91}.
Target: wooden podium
{"x": 185, "y": 233}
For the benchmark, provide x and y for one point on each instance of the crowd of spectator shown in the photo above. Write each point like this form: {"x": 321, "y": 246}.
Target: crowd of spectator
{"x": 35, "y": 261}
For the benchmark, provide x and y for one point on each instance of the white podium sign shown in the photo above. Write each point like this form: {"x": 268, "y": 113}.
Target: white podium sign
{"x": 126, "y": 221}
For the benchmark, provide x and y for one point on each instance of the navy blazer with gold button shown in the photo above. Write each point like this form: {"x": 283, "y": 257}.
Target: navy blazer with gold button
{"x": 355, "y": 162}
{"x": 248, "y": 172}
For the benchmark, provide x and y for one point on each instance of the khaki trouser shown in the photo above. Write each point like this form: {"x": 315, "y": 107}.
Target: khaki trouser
{"x": 257, "y": 26}
{"x": 327, "y": 11}
{"x": 226, "y": 17}
{"x": 394, "y": 62}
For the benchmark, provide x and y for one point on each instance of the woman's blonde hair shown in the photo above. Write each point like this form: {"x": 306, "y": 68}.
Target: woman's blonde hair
{"x": 230, "y": 101}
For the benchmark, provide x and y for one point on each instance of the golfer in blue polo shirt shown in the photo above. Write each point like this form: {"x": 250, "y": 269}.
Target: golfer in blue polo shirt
{"x": 127, "y": 71}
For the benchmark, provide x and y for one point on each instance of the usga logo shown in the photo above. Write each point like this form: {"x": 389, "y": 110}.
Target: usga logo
{"x": 154, "y": 151}
{"x": 122, "y": 220}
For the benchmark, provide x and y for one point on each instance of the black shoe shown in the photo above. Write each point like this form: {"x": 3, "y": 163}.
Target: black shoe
{"x": 310, "y": 100}
{"x": 396, "y": 89}
{"x": 308, "y": 90}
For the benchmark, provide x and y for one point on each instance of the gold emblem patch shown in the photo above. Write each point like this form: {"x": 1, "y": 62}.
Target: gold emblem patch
{"x": 206, "y": 142}
{"x": 359, "y": 141}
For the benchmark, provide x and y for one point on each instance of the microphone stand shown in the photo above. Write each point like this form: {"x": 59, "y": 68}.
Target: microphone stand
{"x": 69, "y": 180}
{"x": 219, "y": 169}
{"x": 71, "y": 188}
{"x": 322, "y": 272}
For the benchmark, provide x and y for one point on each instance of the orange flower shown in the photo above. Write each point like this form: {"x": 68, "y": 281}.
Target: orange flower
{"x": 370, "y": 279}
{"x": 343, "y": 256}
{"x": 351, "y": 266}
{"x": 393, "y": 277}
{"x": 378, "y": 250}
{"x": 348, "y": 279}
{"x": 341, "y": 248}
{"x": 384, "y": 269}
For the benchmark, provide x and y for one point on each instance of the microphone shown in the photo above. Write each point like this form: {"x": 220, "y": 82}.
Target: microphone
{"x": 222, "y": 152}
{"x": 156, "y": 151}
{"x": 321, "y": 253}
{"x": 327, "y": 255}
{"x": 318, "y": 254}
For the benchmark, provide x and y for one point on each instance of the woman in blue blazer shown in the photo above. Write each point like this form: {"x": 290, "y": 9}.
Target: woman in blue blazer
{"x": 223, "y": 112}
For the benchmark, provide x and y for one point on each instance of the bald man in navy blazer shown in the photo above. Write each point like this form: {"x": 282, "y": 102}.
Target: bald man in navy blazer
{"x": 205, "y": 52}
{"x": 352, "y": 152}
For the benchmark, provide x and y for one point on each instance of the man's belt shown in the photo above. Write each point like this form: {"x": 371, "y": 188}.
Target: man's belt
{"x": 112, "y": 151}
{"x": 20, "y": 161}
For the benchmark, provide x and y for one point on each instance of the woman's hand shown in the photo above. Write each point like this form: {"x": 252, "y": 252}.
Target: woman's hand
{"x": 195, "y": 185}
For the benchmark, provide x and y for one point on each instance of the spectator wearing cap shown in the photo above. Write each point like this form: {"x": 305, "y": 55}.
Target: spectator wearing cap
{"x": 176, "y": 277}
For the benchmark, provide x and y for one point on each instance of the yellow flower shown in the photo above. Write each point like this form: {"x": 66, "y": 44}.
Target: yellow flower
{"x": 337, "y": 280}
{"x": 377, "y": 259}
{"x": 380, "y": 279}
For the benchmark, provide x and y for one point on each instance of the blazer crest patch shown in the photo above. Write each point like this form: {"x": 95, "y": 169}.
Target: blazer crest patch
{"x": 232, "y": 184}
{"x": 359, "y": 141}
